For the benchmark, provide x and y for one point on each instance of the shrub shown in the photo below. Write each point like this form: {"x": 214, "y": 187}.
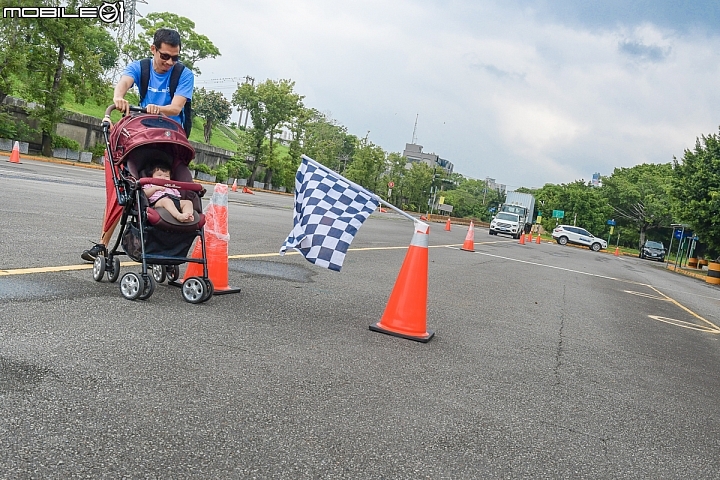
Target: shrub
{"x": 200, "y": 167}
{"x": 64, "y": 142}
{"x": 237, "y": 168}
{"x": 221, "y": 173}
{"x": 8, "y": 129}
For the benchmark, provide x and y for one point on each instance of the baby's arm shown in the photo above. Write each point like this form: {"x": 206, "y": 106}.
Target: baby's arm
{"x": 151, "y": 189}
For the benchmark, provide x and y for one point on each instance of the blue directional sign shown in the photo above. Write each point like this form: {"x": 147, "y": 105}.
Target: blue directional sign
{"x": 679, "y": 233}
{"x": 611, "y": 223}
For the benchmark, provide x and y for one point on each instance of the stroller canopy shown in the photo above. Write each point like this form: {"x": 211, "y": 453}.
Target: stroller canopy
{"x": 137, "y": 130}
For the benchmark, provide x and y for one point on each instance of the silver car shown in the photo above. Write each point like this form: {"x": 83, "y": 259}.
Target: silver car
{"x": 564, "y": 234}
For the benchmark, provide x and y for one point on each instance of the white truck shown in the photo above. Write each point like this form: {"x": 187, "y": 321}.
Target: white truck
{"x": 521, "y": 204}
{"x": 506, "y": 223}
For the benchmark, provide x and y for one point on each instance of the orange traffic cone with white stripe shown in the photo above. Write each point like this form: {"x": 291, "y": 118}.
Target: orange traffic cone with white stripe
{"x": 406, "y": 311}
{"x": 447, "y": 225}
{"x": 15, "y": 154}
{"x": 469, "y": 244}
{"x": 216, "y": 244}
{"x": 234, "y": 185}
{"x": 522, "y": 239}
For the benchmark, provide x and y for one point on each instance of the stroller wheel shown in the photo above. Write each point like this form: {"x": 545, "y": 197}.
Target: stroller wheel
{"x": 132, "y": 285}
{"x": 173, "y": 273}
{"x": 99, "y": 268}
{"x": 210, "y": 289}
{"x": 159, "y": 273}
{"x": 114, "y": 271}
{"x": 194, "y": 290}
{"x": 149, "y": 287}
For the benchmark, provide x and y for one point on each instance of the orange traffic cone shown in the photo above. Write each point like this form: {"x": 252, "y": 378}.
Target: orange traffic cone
{"x": 234, "y": 185}
{"x": 216, "y": 244}
{"x": 15, "y": 155}
{"x": 522, "y": 239}
{"x": 247, "y": 190}
{"x": 537, "y": 239}
{"x": 530, "y": 237}
{"x": 406, "y": 311}
{"x": 469, "y": 244}
{"x": 447, "y": 225}
{"x": 423, "y": 218}
{"x": 617, "y": 251}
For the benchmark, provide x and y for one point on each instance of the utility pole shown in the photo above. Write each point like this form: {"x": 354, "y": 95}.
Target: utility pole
{"x": 251, "y": 81}
{"x": 125, "y": 36}
{"x": 414, "y": 138}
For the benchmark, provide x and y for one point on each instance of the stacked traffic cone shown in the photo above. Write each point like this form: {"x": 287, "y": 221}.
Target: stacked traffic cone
{"x": 406, "y": 311}
{"x": 537, "y": 239}
{"x": 234, "y": 185}
{"x": 247, "y": 190}
{"x": 469, "y": 244}
{"x": 15, "y": 154}
{"x": 617, "y": 251}
{"x": 216, "y": 244}
{"x": 447, "y": 225}
{"x": 522, "y": 239}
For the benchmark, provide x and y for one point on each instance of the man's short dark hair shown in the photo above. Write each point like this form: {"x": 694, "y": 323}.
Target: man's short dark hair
{"x": 166, "y": 35}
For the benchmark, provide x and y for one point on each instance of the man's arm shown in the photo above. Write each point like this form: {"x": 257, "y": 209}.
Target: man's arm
{"x": 178, "y": 102}
{"x": 122, "y": 87}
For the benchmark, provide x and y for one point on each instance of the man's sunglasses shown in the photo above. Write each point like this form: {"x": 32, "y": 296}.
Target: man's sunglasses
{"x": 167, "y": 56}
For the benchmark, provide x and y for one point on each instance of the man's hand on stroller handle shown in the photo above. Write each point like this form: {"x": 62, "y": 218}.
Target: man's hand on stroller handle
{"x": 114, "y": 106}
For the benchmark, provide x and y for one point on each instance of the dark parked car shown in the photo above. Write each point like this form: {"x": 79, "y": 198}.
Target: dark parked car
{"x": 653, "y": 251}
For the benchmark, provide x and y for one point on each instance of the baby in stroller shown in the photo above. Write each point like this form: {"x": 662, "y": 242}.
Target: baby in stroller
{"x": 167, "y": 197}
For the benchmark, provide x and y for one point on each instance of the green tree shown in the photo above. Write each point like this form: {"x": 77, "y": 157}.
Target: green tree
{"x": 327, "y": 142}
{"x": 211, "y": 106}
{"x": 271, "y": 104}
{"x": 67, "y": 55}
{"x": 696, "y": 188}
{"x": 368, "y": 166}
{"x": 583, "y": 205}
{"x": 639, "y": 197}
{"x": 416, "y": 186}
{"x": 195, "y": 46}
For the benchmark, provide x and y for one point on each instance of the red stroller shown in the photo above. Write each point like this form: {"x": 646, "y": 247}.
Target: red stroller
{"x": 148, "y": 235}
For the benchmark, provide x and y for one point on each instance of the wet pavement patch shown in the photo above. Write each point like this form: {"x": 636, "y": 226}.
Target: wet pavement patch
{"x": 19, "y": 376}
{"x": 283, "y": 271}
{"x": 14, "y": 288}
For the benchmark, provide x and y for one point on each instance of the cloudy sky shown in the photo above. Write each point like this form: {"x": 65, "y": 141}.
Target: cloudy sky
{"x": 526, "y": 92}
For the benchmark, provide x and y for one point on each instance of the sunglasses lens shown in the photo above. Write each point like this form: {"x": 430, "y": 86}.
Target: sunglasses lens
{"x": 166, "y": 56}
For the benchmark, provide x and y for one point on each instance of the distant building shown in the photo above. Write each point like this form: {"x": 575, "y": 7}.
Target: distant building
{"x": 492, "y": 185}
{"x": 414, "y": 154}
{"x": 596, "y": 182}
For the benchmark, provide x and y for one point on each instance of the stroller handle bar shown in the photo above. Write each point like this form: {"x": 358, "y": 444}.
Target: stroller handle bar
{"x": 133, "y": 108}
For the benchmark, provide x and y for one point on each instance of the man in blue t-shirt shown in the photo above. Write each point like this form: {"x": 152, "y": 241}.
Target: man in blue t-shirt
{"x": 166, "y": 52}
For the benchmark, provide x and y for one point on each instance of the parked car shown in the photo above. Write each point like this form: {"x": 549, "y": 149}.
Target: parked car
{"x": 507, "y": 223}
{"x": 564, "y": 234}
{"x": 653, "y": 251}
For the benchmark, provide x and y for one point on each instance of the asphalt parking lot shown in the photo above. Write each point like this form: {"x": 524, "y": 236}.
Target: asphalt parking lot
{"x": 547, "y": 361}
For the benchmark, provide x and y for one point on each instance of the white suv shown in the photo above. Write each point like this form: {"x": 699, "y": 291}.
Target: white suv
{"x": 507, "y": 223}
{"x": 564, "y": 234}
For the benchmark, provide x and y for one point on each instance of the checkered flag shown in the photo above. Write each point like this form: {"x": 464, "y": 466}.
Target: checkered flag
{"x": 329, "y": 210}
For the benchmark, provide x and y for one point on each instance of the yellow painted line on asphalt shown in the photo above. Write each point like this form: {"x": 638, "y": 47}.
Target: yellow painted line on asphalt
{"x": 87, "y": 266}
{"x": 714, "y": 328}
{"x": 711, "y": 328}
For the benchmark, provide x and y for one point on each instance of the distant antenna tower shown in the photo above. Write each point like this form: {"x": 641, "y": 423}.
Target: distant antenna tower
{"x": 414, "y": 139}
{"x": 126, "y": 35}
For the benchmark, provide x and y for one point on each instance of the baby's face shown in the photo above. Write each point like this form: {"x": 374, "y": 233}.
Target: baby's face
{"x": 161, "y": 174}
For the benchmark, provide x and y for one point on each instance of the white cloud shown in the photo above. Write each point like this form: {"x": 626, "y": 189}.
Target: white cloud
{"x": 499, "y": 92}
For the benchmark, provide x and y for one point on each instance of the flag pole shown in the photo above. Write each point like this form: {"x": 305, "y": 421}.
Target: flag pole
{"x": 355, "y": 185}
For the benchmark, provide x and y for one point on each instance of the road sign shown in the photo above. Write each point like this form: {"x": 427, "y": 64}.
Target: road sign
{"x": 611, "y": 222}
{"x": 558, "y": 214}
{"x": 391, "y": 184}
{"x": 442, "y": 200}
{"x": 539, "y": 219}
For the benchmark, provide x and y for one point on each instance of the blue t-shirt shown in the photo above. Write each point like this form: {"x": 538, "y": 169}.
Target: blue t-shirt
{"x": 158, "y": 92}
